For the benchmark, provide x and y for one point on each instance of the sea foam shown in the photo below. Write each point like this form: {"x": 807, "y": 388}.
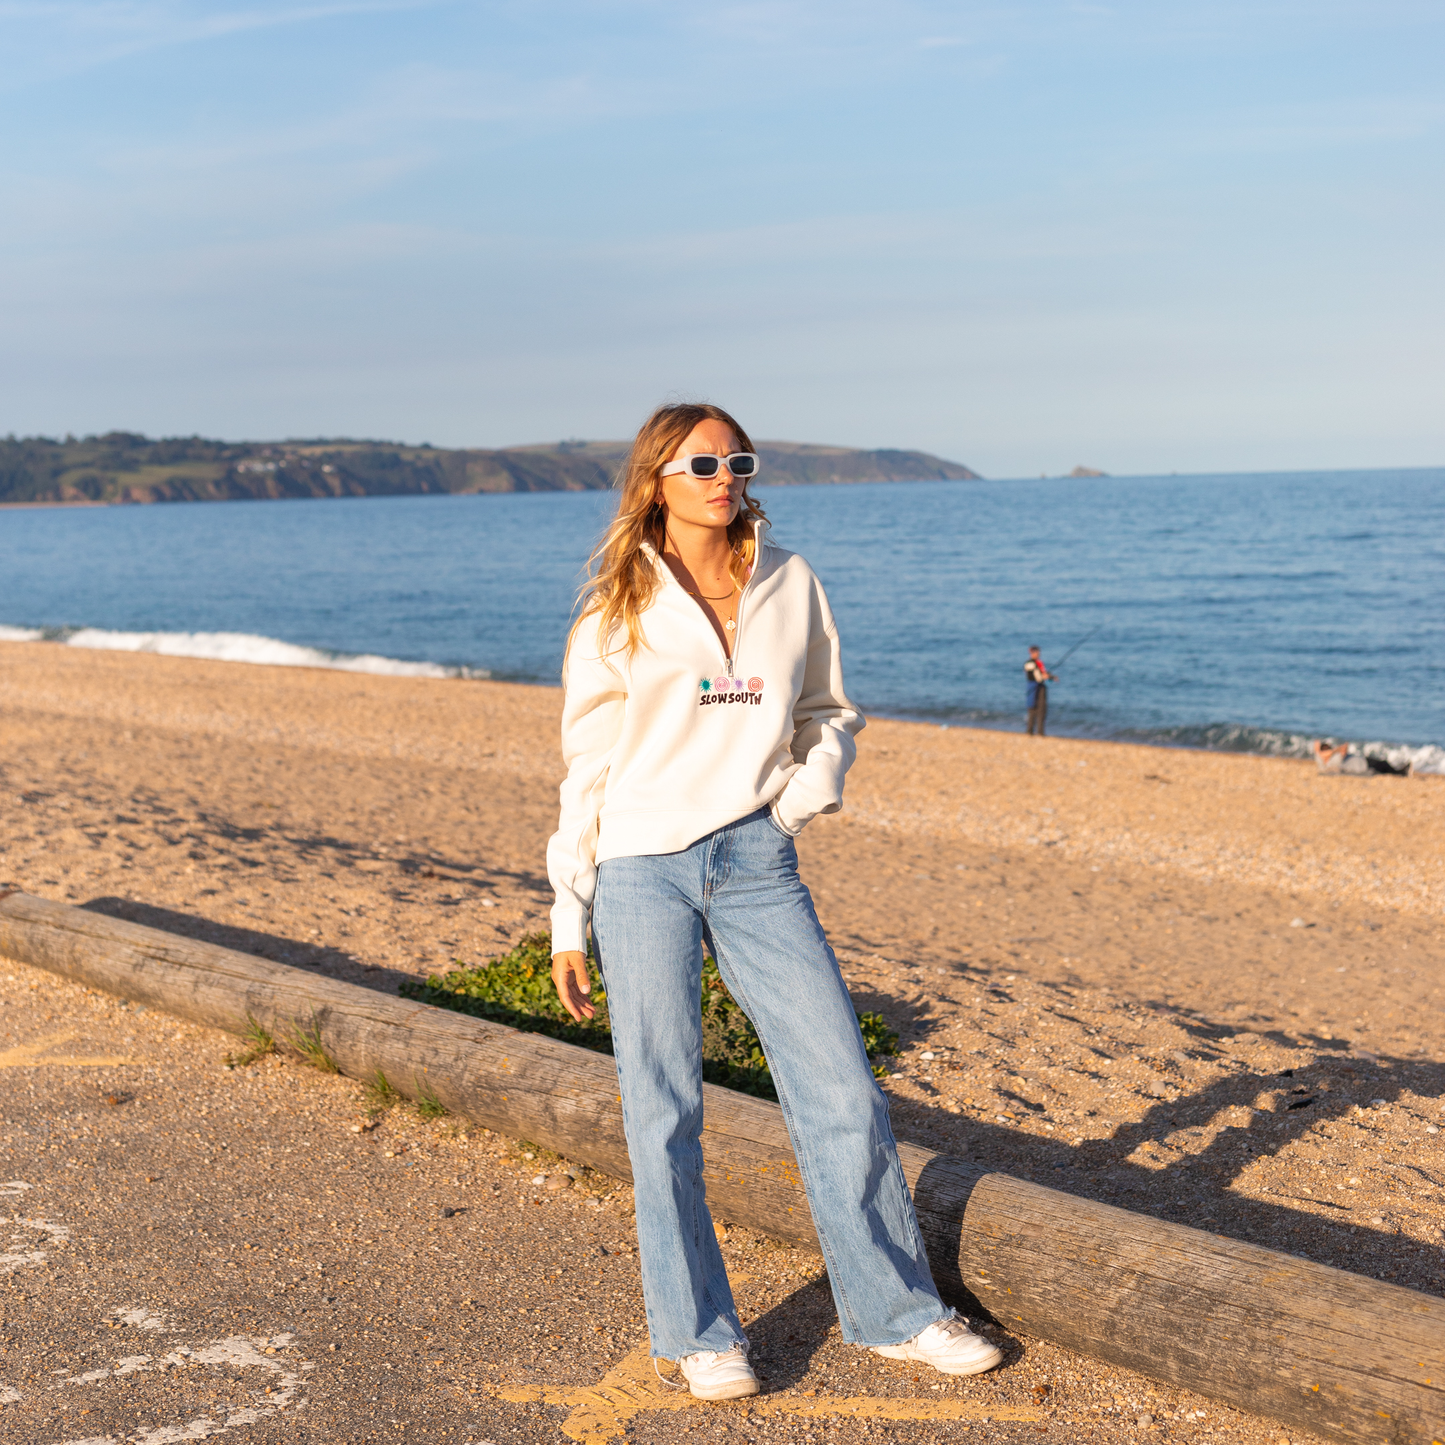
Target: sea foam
{"x": 1273, "y": 742}
{"x": 272, "y": 652}
{"x": 235, "y": 647}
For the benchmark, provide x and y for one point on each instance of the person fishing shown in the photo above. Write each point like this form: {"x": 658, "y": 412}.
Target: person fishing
{"x": 704, "y": 725}
{"x": 1039, "y": 678}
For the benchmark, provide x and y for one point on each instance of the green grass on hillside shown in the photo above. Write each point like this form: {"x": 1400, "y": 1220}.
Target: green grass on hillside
{"x": 128, "y": 467}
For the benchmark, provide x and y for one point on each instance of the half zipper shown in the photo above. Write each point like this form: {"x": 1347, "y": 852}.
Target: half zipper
{"x": 728, "y": 662}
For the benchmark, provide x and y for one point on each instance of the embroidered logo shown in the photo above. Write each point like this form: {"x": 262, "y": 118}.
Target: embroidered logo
{"x": 723, "y": 689}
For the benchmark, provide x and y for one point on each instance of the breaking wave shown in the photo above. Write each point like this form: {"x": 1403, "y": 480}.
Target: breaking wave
{"x": 1273, "y": 742}
{"x": 234, "y": 647}
{"x": 1209, "y": 737}
{"x": 1223, "y": 738}
{"x": 272, "y": 652}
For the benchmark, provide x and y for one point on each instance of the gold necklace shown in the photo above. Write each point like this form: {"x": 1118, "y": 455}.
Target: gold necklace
{"x": 730, "y": 625}
{"x": 703, "y": 595}
{"x": 721, "y": 597}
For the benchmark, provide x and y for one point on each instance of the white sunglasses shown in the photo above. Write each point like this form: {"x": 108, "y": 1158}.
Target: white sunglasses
{"x": 706, "y": 465}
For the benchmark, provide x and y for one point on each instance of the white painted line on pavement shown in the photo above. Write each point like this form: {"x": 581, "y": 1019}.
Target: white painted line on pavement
{"x": 283, "y": 1370}
{"x": 243, "y": 1352}
{"x": 23, "y": 1258}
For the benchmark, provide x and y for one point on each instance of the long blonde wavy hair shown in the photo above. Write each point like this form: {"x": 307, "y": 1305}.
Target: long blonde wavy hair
{"x": 621, "y": 578}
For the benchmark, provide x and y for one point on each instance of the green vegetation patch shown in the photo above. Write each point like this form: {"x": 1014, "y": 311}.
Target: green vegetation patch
{"x": 380, "y": 1095}
{"x": 260, "y": 1041}
{"x": 516, "y": 990}
{"x": 428, "y": 1105}
{"x": 305, "y": 1039}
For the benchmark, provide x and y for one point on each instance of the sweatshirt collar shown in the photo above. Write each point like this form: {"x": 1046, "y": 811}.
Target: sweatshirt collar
{"x": 760, "y": 540}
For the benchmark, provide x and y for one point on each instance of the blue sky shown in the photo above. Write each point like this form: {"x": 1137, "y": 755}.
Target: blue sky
{"x": 1142, "y": 236}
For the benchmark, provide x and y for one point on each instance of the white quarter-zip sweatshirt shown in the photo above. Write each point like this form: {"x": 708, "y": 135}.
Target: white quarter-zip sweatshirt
{"x": 667, "y": 743}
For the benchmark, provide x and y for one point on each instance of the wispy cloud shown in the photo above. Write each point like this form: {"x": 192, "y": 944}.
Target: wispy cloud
{"x": 43, "y": 41}
{"x": 960, "y": 251}
{"x": 382, "y": 210}
{"x": 1282, "y": 128}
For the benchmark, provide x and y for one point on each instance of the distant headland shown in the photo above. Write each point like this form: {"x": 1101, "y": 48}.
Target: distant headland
{"x": 124, "y": 467}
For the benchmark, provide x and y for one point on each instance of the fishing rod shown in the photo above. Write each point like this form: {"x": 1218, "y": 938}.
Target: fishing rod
{"x": 1079, "y": 644}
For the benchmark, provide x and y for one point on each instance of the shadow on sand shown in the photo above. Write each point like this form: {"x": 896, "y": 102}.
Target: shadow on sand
{"x": 1153, "y": 1166}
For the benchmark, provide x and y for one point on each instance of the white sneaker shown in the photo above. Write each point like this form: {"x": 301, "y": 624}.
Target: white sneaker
{"x": 714, "y": 1376}
{"x": 949, "y": 1346}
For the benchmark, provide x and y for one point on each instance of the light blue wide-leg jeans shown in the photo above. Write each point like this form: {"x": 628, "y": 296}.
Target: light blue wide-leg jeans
{"x": 739, "y": 890}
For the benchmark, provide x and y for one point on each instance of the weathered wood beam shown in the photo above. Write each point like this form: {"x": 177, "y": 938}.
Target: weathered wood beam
{"x": 1344, "y": 1357}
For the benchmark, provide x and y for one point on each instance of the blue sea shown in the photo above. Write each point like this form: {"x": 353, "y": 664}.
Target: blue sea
{"x": 1240, "y": 612}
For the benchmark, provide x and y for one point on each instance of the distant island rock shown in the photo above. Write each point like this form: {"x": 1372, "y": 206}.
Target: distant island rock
{"x": 125, "y": 467}
{"x": 1087, "y": 472}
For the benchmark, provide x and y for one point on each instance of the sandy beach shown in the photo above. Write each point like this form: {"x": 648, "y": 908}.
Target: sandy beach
{"x": 1205, "y": 986}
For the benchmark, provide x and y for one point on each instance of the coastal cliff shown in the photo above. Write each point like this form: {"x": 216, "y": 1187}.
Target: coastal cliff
{"x": 124, "y": 467}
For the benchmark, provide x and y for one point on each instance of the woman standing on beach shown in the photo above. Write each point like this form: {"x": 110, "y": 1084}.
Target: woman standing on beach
{"x": 704, "y": 725}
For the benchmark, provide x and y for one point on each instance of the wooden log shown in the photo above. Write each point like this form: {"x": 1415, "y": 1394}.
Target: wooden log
{"x": 1344, "y": 1357}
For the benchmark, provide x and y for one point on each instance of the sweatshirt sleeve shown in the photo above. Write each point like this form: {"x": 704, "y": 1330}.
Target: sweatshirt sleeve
{"x": 592, "y": 707}
{"x": 824, "y": 725}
